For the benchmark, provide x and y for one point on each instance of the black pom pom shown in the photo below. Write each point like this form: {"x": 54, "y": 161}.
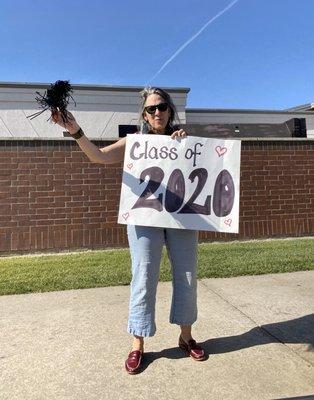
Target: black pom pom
{"x": 56, "y": 97}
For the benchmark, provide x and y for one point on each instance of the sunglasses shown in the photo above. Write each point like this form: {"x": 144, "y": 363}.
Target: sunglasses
{"x": 160, "y": 107}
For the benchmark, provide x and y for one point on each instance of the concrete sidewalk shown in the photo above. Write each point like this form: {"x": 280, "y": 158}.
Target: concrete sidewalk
{"x": 259, "y": 332}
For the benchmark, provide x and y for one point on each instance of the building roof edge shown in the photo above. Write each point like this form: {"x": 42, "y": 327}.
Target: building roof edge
{"x": 304, "y": 107}
{"x": 79, "y": 86}
{"x": 245, "y": 111}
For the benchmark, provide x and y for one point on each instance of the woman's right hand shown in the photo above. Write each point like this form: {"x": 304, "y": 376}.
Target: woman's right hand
{"x": 71, "y": 125}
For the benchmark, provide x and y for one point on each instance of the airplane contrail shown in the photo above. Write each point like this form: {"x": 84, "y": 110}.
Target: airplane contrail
{"x": 191, "y": 39}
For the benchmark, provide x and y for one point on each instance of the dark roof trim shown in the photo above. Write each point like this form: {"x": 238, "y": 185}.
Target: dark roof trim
{"x": 241, "y": 111}
{"x": 77, "y": 86}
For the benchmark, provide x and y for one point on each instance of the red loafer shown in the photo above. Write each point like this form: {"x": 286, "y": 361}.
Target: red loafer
{"x": 192, "y": 349}
{"x": 133, "y": 362}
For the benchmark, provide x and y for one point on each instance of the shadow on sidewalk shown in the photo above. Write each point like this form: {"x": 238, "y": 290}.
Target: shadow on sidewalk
{"x": 311, "y": 397}
{"x": 299, "y": 330}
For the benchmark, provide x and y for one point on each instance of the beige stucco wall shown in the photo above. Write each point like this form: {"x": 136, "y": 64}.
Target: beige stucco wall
{"x": 99, "y": 110}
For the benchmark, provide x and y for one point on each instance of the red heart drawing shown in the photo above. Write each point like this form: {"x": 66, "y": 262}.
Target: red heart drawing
{"x": 125, "y": 216}
{"x": 220, "y": 150}
{"x": 228, "y": 221}
{"x": 130, "y": 165}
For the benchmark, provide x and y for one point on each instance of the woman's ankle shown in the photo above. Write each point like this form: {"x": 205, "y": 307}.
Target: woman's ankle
{"x": 186, "y": 333}
{"x": 138, "y": 343}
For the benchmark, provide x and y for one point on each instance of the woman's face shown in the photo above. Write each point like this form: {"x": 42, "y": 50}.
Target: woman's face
{"x": 159, "y": 119}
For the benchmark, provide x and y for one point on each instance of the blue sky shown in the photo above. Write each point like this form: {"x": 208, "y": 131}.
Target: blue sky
{"x": 258, "y": 54}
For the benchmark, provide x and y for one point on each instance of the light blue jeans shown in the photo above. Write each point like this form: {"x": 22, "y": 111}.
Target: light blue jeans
{"x": 146, "y": 245}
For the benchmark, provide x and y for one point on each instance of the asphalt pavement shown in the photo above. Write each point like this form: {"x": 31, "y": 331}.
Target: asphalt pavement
{"x": 258, "y": 332}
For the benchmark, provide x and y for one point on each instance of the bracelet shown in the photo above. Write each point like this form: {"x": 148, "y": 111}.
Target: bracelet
{"x": 77, "y": 135}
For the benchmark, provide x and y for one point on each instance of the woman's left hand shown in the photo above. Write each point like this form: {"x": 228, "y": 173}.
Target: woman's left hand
{"x": 179, "y": 134}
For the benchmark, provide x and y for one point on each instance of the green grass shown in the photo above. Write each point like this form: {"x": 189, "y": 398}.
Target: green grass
{"x": 43, "y": 273}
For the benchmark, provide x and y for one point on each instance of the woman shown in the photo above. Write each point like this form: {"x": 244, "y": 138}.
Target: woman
{"x": 158, "y": 114}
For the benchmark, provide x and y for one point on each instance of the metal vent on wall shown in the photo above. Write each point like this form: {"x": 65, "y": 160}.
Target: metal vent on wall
{"x": 125, "y": 129}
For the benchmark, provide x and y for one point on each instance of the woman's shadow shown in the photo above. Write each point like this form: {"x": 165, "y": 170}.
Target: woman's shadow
{"x": 299, "y": 330}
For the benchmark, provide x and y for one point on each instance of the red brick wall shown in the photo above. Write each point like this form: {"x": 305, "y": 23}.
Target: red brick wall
{"x": 53, "y": 198}
{"x": 276, "y": 190}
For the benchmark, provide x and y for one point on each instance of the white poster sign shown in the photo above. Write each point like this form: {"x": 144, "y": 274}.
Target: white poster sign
{"x": 189, "y": 183}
